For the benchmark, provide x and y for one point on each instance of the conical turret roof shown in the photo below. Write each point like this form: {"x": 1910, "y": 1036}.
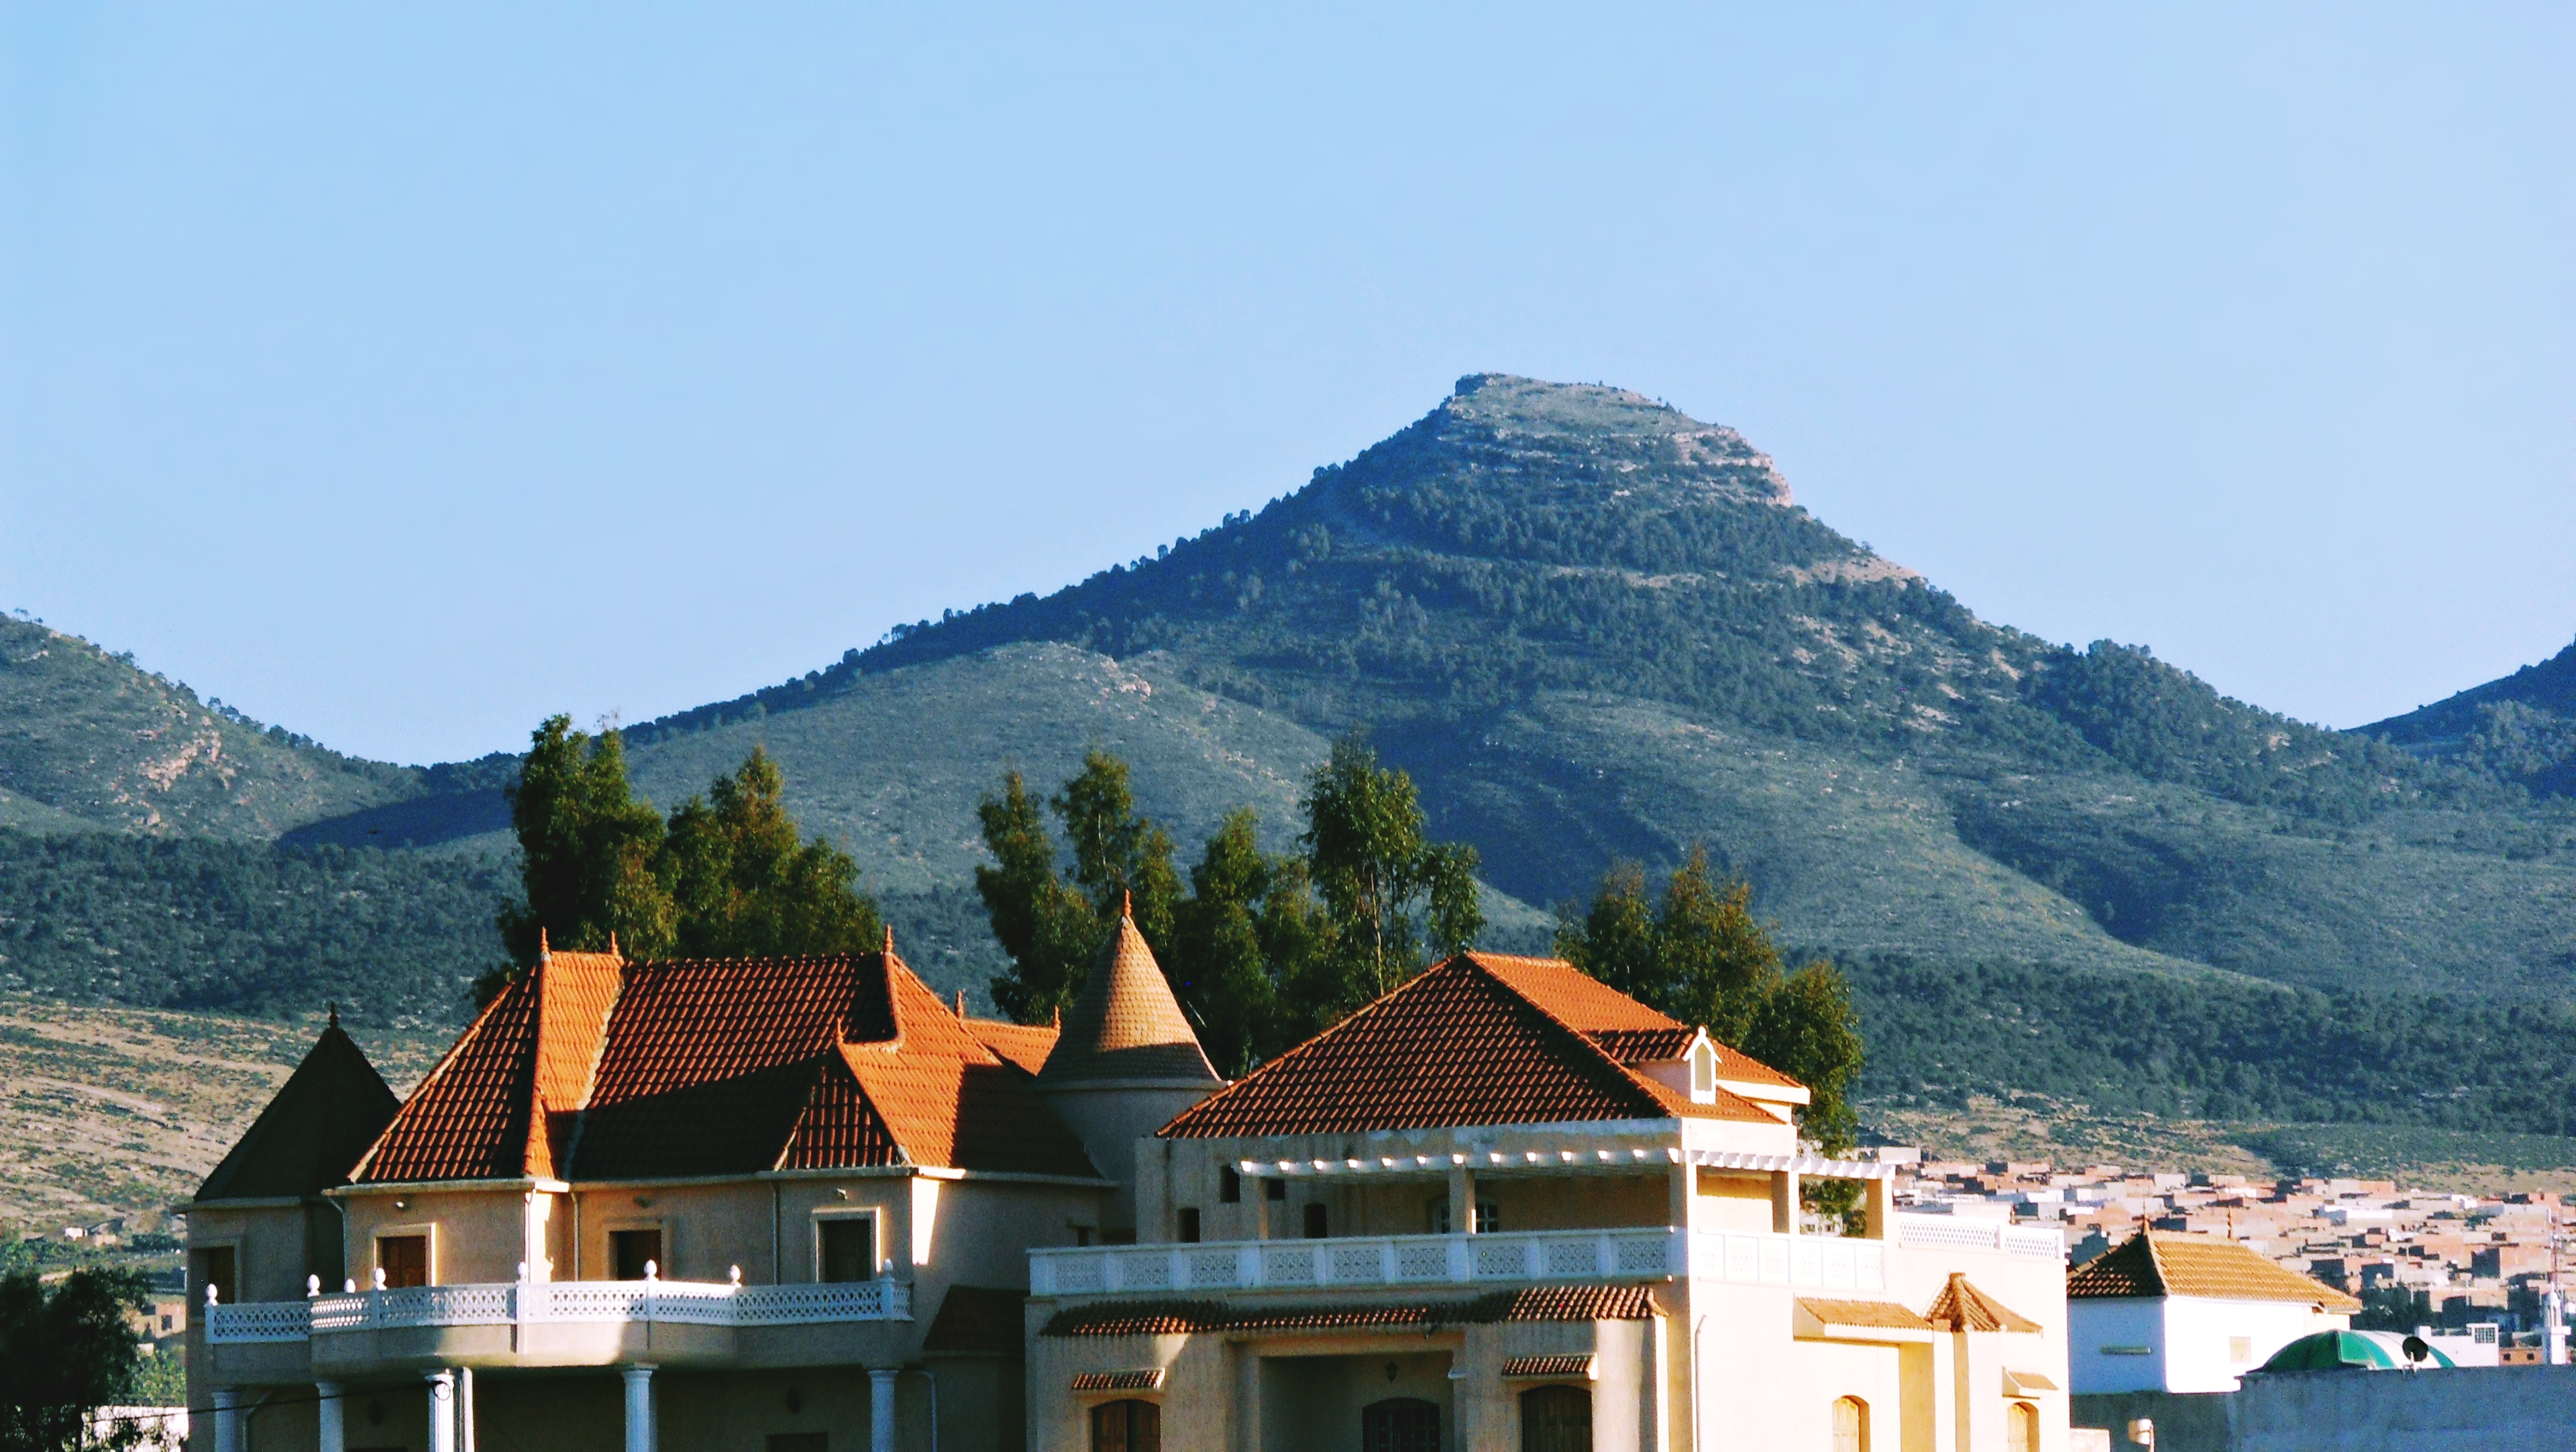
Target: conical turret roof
{"x": 1127, "y": 1027}
{"x": 320, "y": 1123}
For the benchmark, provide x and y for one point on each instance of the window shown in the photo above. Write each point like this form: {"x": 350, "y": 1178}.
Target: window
{"x": 629, "y": 1251}
{"x": 845, "y": 1248}
{"x": 1229, "y": 1185}
{"x": 1189, "y": 1225}
{"x": 1703, "y": 1065}
{"x": 404, "y": 1259}
{"x": 1400, "y": 1424}
{"x": 1851, "y": 1425}
{"x": 1129, "y": 1426}
{"x": 2240, "y": 1349}
{"x": 1274, "y": 1189}
{"x": 2021, "y": 1428}
{"x": 1556, "y": 1419}
{"x": 214, "y": 1267}
{"x": 1488, "y": 1220}
{"x": 1314, "y": 1221}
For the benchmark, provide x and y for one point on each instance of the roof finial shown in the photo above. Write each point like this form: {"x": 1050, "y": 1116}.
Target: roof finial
{"x": 1059, "y": 1018}
{"x": 889, "y": 943}
{"x": 335, "y": 1014}
{"x": 961, "y": 1003}
{"x": 612, "y": 942}
{"x": 1126, "y": 903}
{"x": 541, "y": 942}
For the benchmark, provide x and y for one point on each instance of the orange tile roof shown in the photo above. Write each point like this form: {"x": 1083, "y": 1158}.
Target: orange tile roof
{"x": 1464, "y": 1043}
{"x": 1143, "y": 1378}
{"x": 590, "y": 1069}
{"x": 1023, "y": 1044}
{"x": 1520, "y": 1368}
{"x": 1534, "y": 1303}
{"x": 1960, "y": 1306}
{"x": 1870, "y": 1315}
{"x": 2156, "y": 1263}
{"x": 1126, "y": 1025}
{"x": 1567, "y": 1303}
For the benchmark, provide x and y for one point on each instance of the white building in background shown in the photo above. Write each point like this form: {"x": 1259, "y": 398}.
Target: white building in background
{"x": 2187, "y": 1313}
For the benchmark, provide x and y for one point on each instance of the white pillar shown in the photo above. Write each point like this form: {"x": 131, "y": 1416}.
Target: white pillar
{"x": 881, "y": 1409}
{"x": 639, "y": 1407}
{"x": 442, "y": 1410}
{"x": 464, "y": 1409}
{"x": 1462, "y": 1200}
{"x": 328, "y": 1411}
{"x": 228, "y": 1419}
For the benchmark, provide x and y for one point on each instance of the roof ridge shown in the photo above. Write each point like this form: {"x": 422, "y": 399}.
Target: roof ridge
{"x": 1311, "y": 1045}
{"x": 1629, "y": 1077}
{"x": 437, "y": 1073}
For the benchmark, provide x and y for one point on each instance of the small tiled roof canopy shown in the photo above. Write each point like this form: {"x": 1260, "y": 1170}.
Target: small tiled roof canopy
{"x": 325, "y": 1115}
{"x": 2154, "y": 1263}
{"x": 591, "y": 1067}
{"x": 1126, "y": 1027}
{"x": 1962, "y": 1307}
{"x": 1483, "y": 1038}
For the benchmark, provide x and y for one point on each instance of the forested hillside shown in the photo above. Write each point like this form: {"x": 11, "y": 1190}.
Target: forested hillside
{"x": 1590, "y": 628}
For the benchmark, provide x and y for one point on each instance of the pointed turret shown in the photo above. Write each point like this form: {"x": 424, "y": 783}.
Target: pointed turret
{"x": 313, "y": 1131}
{"x": 1124, "y": 1063}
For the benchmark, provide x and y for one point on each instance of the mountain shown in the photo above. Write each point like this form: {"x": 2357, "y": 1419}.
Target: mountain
{"x": 1591, "y": 627}
{"x": 2519, "y": 729}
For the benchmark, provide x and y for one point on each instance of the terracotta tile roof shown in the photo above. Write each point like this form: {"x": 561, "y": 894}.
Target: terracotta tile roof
{"x": 468, "y": 1119}
{"x": 1567, "y": 1303}
{"x": 978, "y": 1319}
{"x": 1462, "y": 1044}
{"x": 1576, "y": 998}
{"x": 1960, "y": 1306}
{"x": 1148, "y": 1378}
{"x": 1025, "y": 1045}
{"x": 1645, "y": 1046}
{"x": 1872, "y": 1315}
{"x": 591, "y": 1069}
{"x": 1126, "y": 1025}
{"x": 2155, "y": 1263}
{"x": 1536, "y": 1303}
{"x": 1519, "y": 1367}
{"x": 322, "y": 1119}
{"x": 1743, "y": 1068}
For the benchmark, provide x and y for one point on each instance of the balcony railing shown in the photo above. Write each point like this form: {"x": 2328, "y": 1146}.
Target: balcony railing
{"x": 1383, "y": 1260}
{"x": 693, "y": 1303}
{"x": 1828, "y": 1262}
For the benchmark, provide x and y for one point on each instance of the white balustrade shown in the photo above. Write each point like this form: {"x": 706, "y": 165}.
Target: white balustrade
{"x": 1946, "y": 1232}
{"x": 695, "y": 1303}
{"x": 1646, "y": 1253}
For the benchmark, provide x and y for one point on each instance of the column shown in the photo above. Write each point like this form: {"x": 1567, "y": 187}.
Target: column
{"x": 1879, "y": 1196}
{"x": 880, "y": 1410}
{"x": 464, "y": 1409}
{"x": 1462, "y": 1200}
{"x": 1784, "y": 1202}
{"x": 228, "y": 1419}
{"x": 640, "y": 1432}
{"x": 329, "y": 1408}
{"x": 442, "y": 1410}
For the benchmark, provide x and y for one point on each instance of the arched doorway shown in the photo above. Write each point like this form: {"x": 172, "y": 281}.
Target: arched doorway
{"x": 2022, "y": 1430}
{"x": 1556, "y": 1419}
{"x": 1400, "y": 1424}
{"x": 1851, "y": 1425}
{"x": 1128, "y": 1426}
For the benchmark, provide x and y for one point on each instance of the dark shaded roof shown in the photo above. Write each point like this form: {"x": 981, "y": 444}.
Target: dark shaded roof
{"x": 1126, "y": 1025}
{"x": 592, "y": 1068}
{"x": 1473, "y": 1040}
{"x": 978, "y": 1319}
{"x": 314, "y": 1128}
{"x": 1534, "y": 1303}
{"x": 1143, "y": 1378}
{"x": 1960, "y": 1306}
{"x": 2155, "y": 1263}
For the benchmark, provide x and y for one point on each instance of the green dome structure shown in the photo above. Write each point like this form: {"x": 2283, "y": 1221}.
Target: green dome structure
{"x": 2353, "y": 1351}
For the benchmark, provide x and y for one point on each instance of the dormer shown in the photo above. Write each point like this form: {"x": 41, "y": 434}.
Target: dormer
{"x": 1705, "y": 1066}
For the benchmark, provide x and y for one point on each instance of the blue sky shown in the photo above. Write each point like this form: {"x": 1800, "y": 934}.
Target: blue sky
{"x": 403, "y": 374}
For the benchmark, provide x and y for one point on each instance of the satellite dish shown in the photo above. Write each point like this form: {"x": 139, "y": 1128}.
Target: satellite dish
{"x": 2416, "y": 1350}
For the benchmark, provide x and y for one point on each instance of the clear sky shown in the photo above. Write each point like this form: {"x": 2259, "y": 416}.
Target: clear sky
{"x": 404, "y": 373}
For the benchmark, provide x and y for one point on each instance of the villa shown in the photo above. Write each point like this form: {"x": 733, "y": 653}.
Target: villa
{"x": 798, "y": 1205}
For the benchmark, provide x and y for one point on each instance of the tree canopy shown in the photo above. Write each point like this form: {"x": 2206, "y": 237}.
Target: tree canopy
{"x": 726, "y": 876}
{"x": 65, "y": 1352}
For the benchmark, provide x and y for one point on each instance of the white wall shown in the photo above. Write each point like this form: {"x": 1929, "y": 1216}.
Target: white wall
{"x": 2192, "y": 1343}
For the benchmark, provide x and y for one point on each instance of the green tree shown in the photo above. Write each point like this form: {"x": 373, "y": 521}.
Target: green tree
{"x": 1374, "y": 869}
{"x": 1701, "y": 956}
{"x": 1249, "y": 938}
{"x": 744, "y": 887}
{"x": 587, "y": 850}
{"x": 1121, "y": 861}
{"x": 63, "y": 1354}
{"x": 1050, "y": 928}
